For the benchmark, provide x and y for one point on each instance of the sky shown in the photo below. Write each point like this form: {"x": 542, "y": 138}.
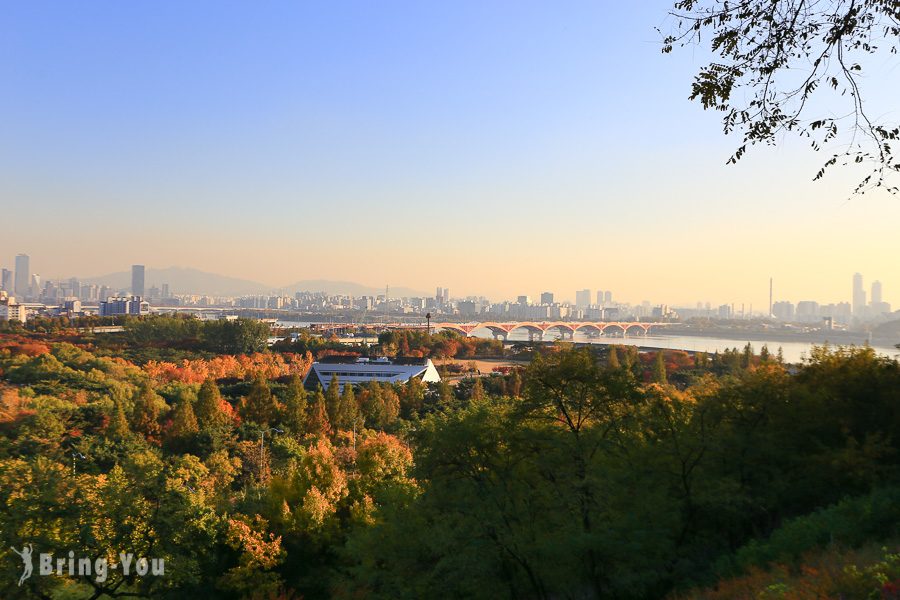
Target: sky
{"x": 495, "y": 148}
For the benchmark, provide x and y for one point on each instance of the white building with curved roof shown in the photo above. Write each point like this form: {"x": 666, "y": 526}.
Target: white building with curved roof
{"x": 360, "y": 371}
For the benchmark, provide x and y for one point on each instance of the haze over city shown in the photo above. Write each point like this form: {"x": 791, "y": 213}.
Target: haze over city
{"x": 410, "y": 146}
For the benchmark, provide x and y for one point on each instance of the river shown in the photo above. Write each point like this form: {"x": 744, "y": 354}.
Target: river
{"x": 792, "y": 351}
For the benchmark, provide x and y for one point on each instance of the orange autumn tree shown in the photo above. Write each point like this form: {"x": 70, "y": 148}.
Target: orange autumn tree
{"x": 242, "y": 366}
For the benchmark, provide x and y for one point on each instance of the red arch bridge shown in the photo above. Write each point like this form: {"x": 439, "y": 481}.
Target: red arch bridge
{"x": 566, "y": 329}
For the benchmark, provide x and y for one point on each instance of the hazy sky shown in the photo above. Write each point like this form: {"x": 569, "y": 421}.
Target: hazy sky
{"x": 495, "y": 148}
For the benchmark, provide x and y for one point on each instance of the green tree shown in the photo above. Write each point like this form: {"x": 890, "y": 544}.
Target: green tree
{"x": 145, "y": 415}
{"x": 259, "y": 406}
{"x": 381, "y": 405}
{"x": 184, "y": 423}
{"x": 701, "y": 360}
{"x": 445, "y": 394}
{"x": 318, "y": 423}
{"x": 348, "y": 417}
{"x": 209, "y": 406}
{"x": 118, "y": 425}
{"x": 241, "y": 336}
{"x": 612, "y": 360}
{"x": 477, "y": 393}
{"x": 659, "y": 369}
{"x": 295, "y": 404}
{"x": 412, "y": 398}
{"x": 333, "y": 399}
{"x": 747, "y": 356}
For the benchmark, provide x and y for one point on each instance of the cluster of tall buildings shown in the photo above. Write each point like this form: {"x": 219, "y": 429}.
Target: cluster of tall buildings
{"x": 21, "y": 282}
{"x": 861, "y": 308}
{"x": 65, "y": 296}
{"x": 876, "y": 305}
{"x": 442, "y": 297}
{"x": 583, "y": 298}
{"x": 27, "y": 286}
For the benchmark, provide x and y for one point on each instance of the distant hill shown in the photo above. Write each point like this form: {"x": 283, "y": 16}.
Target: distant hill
{"x": 184, "y": 280}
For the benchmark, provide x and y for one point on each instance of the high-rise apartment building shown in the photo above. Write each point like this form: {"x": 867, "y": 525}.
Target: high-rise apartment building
{"x": 876, "y": 293}
{"x": 583, "y": 298}
{"x": 547, "y": 298}
{"x": 6, "y": 281}
{"x": 808, "y": 311}
{"x": 783, "y": 311}
{"x": 859, "y": 295}
{"x": 137, "y": 280}
{"x": 23, "y": 275}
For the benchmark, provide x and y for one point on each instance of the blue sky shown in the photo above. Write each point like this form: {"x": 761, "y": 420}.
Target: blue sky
{"x": 415, "y": 144}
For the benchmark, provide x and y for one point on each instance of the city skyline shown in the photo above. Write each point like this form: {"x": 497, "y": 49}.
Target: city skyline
{"x": 418, "y": 140}
{"x": 861, "y": 294}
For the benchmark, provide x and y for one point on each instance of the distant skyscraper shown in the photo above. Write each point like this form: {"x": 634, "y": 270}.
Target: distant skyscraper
{"x": 770, "y": 297}
{"x": 583, "y": 298}
{"x": 75, "y": 287}
{"x": 6, "y": 282}
{"x": 137, "y": 280}
{"x": 859, "y": 295}
{"x": 600, "y": 297}
{"x": 607, "y": 297}
{"x": 547, "y": 298}
{"x": 165, "y": 290}
{"x": 23, "y": 275}
{"x": 876, "y": 292}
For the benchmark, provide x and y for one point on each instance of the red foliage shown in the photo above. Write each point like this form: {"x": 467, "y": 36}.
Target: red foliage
{"x": 242, "y": 366}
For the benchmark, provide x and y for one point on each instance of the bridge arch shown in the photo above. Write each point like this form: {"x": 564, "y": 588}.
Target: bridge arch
{"x": 614, "y": 328}
{"x": 533, "y": 327}
{"x": 560, "y": 325}
{"x": 598, "y": 327}
{"x": 451, "y": 327}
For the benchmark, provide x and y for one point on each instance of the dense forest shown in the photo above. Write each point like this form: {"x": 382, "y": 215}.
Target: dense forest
{"x": 587, "y": 474}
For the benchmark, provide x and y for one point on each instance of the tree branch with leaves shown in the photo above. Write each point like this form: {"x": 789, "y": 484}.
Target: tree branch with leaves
{"x": 773, "y": 57}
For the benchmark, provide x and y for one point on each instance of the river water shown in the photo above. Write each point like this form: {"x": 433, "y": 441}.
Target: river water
{"x": 792, "y": 351}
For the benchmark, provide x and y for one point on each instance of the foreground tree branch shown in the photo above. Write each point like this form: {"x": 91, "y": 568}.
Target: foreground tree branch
{"x": 774, "y": 56}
